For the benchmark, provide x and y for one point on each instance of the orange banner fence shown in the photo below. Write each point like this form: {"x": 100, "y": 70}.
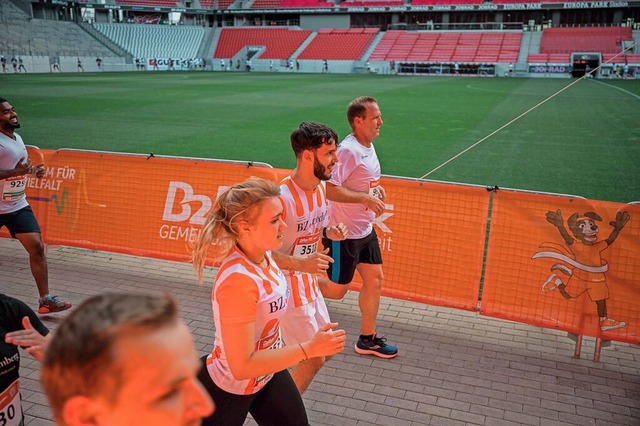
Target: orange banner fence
{"x": 433, "y": 235}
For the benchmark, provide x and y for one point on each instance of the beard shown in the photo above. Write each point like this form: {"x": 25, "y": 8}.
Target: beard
{"x": 320, "y": 171}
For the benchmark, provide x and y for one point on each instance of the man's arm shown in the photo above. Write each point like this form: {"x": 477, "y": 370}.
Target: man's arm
{"x": 340, "y": 194}
{"x": 22, "y": 168}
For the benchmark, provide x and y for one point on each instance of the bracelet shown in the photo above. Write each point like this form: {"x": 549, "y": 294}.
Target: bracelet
{"x": 324, "y": 232}
{"x": 304, "y": 352}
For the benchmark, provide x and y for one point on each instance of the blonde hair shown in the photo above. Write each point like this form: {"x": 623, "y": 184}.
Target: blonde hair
{"x": 219, "y": 234}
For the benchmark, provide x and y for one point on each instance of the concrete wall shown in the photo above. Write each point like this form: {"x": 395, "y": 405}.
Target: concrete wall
{"x": 43, "y": 64}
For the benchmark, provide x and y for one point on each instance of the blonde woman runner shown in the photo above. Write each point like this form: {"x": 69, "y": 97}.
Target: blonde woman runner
{"x": 247, "y": 369}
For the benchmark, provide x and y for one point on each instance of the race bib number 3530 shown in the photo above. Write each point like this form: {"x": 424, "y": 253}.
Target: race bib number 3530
{"x": 10, "y": 409}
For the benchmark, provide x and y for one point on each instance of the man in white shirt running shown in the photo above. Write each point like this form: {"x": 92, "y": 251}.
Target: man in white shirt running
{"x": 358, "y": 200}
{"x": 15, "y": 211}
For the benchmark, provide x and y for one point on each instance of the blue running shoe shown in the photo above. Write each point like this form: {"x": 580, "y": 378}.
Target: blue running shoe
{"x": 377, "y": 346}
{"x": 50, "y": 304}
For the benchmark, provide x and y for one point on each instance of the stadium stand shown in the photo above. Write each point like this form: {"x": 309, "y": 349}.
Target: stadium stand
{"x": 370, "y": 3}
{"x": 305, "y": 3}
{"x": 160, "y": 3}
{"x": 467, "y": 47}
{"x": 594, "y": 39}
{"x": 46, "y": 37}
{"x": 222, "y": 4}
{"x": 42, "y": 42}
{"x": 522, "y": 1}
{"x": 557, "y": 44}
{"x": 388, "y": 42}
{"x": 451, "y": 2}
{"x": 280, "y": 42}
{"x": 551, "y": 58}
{"x": 339, "y": 44}
{"x": 633, "y": 58}
{"x": 155, "y": 41}
{"x": 538, "y": 58}
{"x": 265, "y": 4}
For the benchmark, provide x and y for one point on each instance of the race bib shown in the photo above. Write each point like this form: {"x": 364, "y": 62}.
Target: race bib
{"x": 374, "y": 189}
{"x": 270, "y": 342}
{"x": 306, "y": 246}
{"x": 13, "y": 189}
{"x": 10, "y": 409}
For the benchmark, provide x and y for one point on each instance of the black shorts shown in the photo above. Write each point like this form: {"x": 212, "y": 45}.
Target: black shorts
{"x": 348, "y": 253}
{"x": 21, "y": 221}
{"x": 278, "y": 403}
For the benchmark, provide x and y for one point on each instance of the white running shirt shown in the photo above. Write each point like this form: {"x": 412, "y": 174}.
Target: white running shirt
{"x": 13, "y": 197}
{"x": 358, "y": 169}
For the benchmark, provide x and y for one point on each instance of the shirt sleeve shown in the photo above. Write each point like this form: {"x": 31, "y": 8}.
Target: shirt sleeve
{"x": 237, "y": 298}
{"x": 17, "y": 310}
{"x": 342, "y": 171}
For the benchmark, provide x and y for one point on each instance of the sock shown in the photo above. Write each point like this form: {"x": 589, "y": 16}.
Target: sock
{"x": 367, "y": 338}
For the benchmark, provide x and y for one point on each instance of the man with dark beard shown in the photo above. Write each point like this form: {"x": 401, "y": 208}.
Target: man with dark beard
{"x": 15, "y": 212}
{"x": 304, "y": 197}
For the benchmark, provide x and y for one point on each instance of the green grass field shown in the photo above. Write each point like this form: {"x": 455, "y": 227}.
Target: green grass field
{"x": 585, "y": 141}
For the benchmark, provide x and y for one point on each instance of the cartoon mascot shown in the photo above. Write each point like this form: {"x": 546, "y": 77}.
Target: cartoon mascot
{"x": 586, "y": 269}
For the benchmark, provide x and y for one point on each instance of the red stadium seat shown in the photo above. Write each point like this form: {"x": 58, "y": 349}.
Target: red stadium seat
{"x": 465, "y": 47}
{"x": 339, "y": 44}
{"x": 280, "y": 42}
{"x": 596, "y": 39}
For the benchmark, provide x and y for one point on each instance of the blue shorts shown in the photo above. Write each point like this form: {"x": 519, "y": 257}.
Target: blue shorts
{"x": 348, "y": 253}
{"x": 21, "y": 221}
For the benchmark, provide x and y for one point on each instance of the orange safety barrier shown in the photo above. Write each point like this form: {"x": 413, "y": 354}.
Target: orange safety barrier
{"x": 535, "y": 276}
{"x": 545, "y": 266}
{"x": 133, "y": 204}
{"x": 432, "y": 239}
{"x": 424, "y": 241}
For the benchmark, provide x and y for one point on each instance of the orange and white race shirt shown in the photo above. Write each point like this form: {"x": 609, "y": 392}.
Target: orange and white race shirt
{"x": 306, "y": 213}
{"x": 244, "y": 292}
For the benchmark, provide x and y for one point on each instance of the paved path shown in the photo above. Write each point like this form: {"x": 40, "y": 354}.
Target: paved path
{"x": 454, "y": 367}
